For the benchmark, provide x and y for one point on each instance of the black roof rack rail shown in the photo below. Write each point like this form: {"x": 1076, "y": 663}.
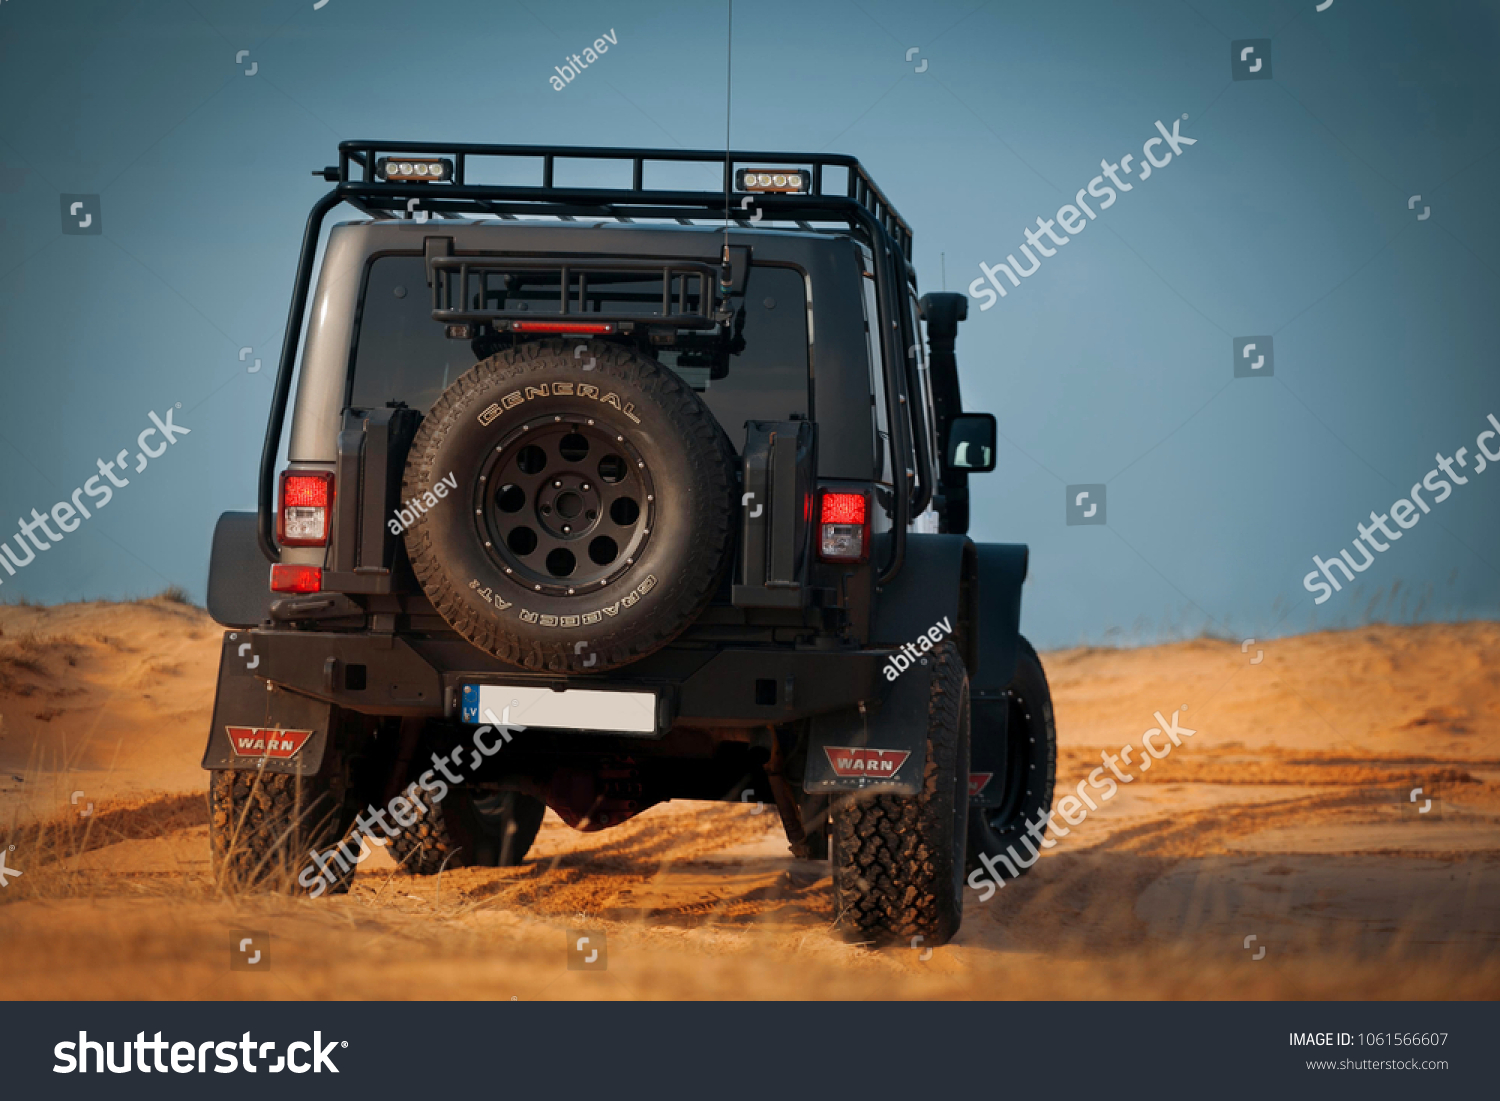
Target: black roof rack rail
{"x": 359, "y": 183}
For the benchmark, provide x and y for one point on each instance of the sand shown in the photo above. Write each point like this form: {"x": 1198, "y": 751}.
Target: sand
{"x": 1285, "y": 818}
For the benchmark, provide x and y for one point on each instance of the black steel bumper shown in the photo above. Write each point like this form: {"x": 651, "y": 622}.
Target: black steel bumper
{"x": 383, "y": 674}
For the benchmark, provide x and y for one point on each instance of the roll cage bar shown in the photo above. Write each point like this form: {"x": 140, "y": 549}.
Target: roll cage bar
{"x": 862, "y": 206}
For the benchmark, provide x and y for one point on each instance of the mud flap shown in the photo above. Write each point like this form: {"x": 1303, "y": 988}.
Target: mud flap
{"x": 880, "y": 749}
{"x": 257, "y": 725}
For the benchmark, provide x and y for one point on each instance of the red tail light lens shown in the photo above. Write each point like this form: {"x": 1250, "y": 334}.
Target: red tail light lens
{"x": 843, "y": 527}
{"x": 306, "y": 509}
{"x": 562, "y": 327}
{"x": 287, "y": 578}
{"x": 843, "y": 508}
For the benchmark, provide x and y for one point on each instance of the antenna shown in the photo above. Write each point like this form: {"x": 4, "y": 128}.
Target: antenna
{"x": 726, "y": 275}
{"x": 728, "y": 105}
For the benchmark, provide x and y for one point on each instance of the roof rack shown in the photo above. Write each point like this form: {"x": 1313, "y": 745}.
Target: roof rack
{"x": 863, "y": 207}
{"x": 359, "y": 183}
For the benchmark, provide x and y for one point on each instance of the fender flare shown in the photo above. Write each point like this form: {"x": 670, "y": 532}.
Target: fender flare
{"x": 238, "y": 595}
{"x": 938, "y": 581}
{"x": 1002, "y": 571}
{"x": 977, "y": 586}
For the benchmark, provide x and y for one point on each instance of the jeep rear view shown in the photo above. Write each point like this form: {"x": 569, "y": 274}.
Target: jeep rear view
{"x": 596, "y": 497}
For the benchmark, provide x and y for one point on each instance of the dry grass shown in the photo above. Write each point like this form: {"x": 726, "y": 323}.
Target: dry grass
{"x": 25, "y": 653}
{"x": 115, "y": 643}
{"x": 52, "y": 846}
{"x": 30, "y": 652}
{"x": 172, "y": 594}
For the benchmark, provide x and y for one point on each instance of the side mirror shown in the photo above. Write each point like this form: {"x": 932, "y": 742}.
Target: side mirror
{"x": 971, "y": 443}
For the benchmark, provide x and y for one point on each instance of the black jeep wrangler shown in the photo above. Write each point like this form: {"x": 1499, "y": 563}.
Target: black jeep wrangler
{"x": 597, "y": 497}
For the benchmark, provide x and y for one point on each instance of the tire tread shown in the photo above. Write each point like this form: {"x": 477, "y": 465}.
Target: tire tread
{"x": 892, "y": 860}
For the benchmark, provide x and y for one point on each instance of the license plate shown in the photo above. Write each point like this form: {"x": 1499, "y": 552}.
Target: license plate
{"x": 570, "y": 709}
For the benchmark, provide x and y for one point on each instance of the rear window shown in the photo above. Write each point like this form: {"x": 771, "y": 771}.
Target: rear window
{"x": 402, "y": 354}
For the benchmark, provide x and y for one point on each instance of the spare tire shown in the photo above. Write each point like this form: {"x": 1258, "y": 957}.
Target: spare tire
{"x": 592, "y": 508}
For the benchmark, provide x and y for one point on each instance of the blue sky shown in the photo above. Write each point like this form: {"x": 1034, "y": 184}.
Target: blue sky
{"x": 1113, "y": 364}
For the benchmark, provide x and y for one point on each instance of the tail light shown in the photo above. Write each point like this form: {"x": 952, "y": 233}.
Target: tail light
{"x": 287, "y": 578}
{"x": 601, "y": 327}
{"x": 306, "y": 508}
{"x": 843, "y": 527}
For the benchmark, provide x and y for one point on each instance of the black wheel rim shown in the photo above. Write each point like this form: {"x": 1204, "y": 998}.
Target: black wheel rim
{"x": 564, "y": 505}
{"x": 1018, "y": 760}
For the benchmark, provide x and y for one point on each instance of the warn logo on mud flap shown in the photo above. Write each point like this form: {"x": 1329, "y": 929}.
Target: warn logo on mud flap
{"x": 978, "y": 781}
{"x": 256, "y": 741}
{"x": 848, "y": 761}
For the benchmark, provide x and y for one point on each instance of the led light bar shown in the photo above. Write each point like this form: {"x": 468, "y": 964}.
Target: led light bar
{"x": 792, "y": 180}
{"x": 408, "y": 170}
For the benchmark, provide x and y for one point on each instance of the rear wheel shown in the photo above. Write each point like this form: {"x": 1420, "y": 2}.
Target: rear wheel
{"x": 263, "y": 826}
{"x": 898, "y": 860}
{"x": 469, "y": 828}
{"x": 1030, "y": 772}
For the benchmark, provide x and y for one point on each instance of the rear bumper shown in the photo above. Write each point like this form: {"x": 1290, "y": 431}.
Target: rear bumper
{"x": 392, "y": 675}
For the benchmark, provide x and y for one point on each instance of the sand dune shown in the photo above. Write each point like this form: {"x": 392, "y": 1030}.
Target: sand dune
{"x": 1286, "y": 817}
